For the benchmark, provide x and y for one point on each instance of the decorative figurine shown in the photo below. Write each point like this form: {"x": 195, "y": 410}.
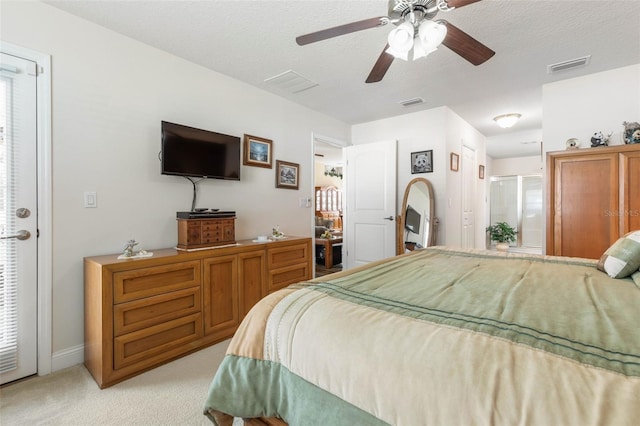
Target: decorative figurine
{"x": 599, "y": 140}
{"x": 631, "y": 133}
{"x": 573, "y": 143}
{"x": 276, "y": 232}
{"x": 128, "y": 253}
{"x": 128, "y": 248}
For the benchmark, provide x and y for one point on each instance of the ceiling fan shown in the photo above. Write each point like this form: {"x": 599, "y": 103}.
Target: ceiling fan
{"x": 416, "y": 30}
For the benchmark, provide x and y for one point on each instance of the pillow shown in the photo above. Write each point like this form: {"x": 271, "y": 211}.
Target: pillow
{"x": 623, "y": 257}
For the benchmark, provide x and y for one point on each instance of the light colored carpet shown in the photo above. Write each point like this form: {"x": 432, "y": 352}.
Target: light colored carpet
{"x": 172, "y": 394}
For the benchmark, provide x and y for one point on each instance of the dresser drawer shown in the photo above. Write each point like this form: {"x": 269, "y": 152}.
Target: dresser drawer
{"x": 142, "y": 313}
{"x": 155, "y": 280}
{"x": 155, "y": 344}
{"x": 278, "y": 257}
{"x": 282, "y": 277}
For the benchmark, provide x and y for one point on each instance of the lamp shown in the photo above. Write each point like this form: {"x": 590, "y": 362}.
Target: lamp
{"x": 403, "y": 38}
{"x": 507, "y": 120}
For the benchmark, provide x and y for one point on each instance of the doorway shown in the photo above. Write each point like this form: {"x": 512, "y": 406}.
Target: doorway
{"x": 328, "y": 203}
{"x": 25, "y": 204}
{"x": 517, "y": 200}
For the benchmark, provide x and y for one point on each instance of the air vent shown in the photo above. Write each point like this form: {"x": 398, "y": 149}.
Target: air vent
{"x": 573, "y": 63}
{"x": 411, "y": 102}
{"x": 290, "y": 81}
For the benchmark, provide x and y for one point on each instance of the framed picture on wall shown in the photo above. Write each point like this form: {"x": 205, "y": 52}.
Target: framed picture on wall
{"x": 481, "y": 172}
{"x": 257, "y": 152}
{"x": 422, "y": 162}
{"x": 287, "y": 174}
{"x": 455, "y": 162}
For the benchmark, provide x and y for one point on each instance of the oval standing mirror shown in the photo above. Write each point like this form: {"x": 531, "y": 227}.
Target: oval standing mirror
{"x": 416, "y": 224}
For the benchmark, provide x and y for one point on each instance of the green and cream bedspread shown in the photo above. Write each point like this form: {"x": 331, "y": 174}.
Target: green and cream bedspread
{"x": 440, "y": 337}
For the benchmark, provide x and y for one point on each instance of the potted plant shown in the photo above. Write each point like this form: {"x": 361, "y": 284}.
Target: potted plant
{"x": 502, "y": 233}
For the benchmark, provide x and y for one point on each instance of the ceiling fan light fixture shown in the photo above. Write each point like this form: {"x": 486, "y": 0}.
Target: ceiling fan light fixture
{"x": 398, "y": 55}
{"x": 507, "y": 120}
{"x": 401, "y": 41}
{"x": 419, "y": 51}
{"x": 431, "y": 35}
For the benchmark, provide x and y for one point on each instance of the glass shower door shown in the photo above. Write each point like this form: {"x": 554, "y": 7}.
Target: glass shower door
{"x": 517, "y": 200}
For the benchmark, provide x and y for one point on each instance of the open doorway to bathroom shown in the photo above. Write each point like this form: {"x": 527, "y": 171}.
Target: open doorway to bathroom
{"x": 517, "y": 200}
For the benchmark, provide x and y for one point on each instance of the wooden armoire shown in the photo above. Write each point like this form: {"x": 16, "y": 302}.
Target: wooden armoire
{"x": 593, "y": 198}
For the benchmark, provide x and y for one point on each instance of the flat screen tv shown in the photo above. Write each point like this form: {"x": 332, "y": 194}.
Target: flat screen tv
{"x": 412, "y": 220}
{"x": 191, "y": 152}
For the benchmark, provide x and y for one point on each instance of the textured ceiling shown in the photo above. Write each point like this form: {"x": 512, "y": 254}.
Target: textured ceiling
{"x": 253, "y": 40}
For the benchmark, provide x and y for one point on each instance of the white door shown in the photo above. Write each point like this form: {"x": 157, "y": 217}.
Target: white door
{"x": 18, "y": 219}
{"x": 371, "y": 202}
{"x": 468, "y": 169}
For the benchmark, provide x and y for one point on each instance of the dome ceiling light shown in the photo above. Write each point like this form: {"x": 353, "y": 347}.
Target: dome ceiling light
{"x": 507, "y": 120}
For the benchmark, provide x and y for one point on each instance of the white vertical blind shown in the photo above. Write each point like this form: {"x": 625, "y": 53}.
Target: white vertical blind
{"x": 9, "y": 150}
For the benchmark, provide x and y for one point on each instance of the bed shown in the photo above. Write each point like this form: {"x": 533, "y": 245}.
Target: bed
{"x": 440, "y": 336}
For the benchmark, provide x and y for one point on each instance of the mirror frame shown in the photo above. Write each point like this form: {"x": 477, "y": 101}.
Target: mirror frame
{"x": 400, "y": 249}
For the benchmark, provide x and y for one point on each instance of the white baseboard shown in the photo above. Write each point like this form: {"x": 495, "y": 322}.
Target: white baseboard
{"x": 67, "y": 358}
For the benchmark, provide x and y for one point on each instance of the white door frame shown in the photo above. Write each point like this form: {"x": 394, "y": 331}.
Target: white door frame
{"x": 44, "y": 182}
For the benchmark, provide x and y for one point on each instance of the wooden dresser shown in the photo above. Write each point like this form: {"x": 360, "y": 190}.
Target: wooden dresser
{"x": 140, "y": 313}
{"x": 593, "y": 198}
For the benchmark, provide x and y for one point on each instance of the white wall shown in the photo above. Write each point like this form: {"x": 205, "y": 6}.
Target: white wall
{"x": 418, "y": 131}
{"x": 525, "y": 164}
{"x": 443, "y": 131}
{"x": 578, "y": 107}
{"x": 522, "y": 166}
{"x": 109, "y": 94}
{"x": 323, "y": 180}
{"x": 459, "y": 134}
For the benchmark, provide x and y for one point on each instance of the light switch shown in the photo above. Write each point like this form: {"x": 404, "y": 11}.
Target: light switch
{"x": 304, "y": 202}
{"x": 90, "y": 199}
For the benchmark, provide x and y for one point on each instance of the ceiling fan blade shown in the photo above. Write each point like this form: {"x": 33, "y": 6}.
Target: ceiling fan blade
{"x": 341, "y": 30}
{"x": 460, "y": 3}
{"x": 466, "y": 46}
{"x": 381, "y": 66}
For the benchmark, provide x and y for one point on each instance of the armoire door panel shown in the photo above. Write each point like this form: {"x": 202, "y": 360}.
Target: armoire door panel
{"x": 585, "y": 190}
{"x": 630, "y": 201}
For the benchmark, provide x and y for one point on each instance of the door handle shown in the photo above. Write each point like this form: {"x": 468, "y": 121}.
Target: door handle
{"x": 388, "y": 218}
{"x": 20, "y": 235}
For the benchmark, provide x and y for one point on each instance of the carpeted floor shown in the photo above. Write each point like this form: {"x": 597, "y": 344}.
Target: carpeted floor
{"x": 172, "y": 394}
